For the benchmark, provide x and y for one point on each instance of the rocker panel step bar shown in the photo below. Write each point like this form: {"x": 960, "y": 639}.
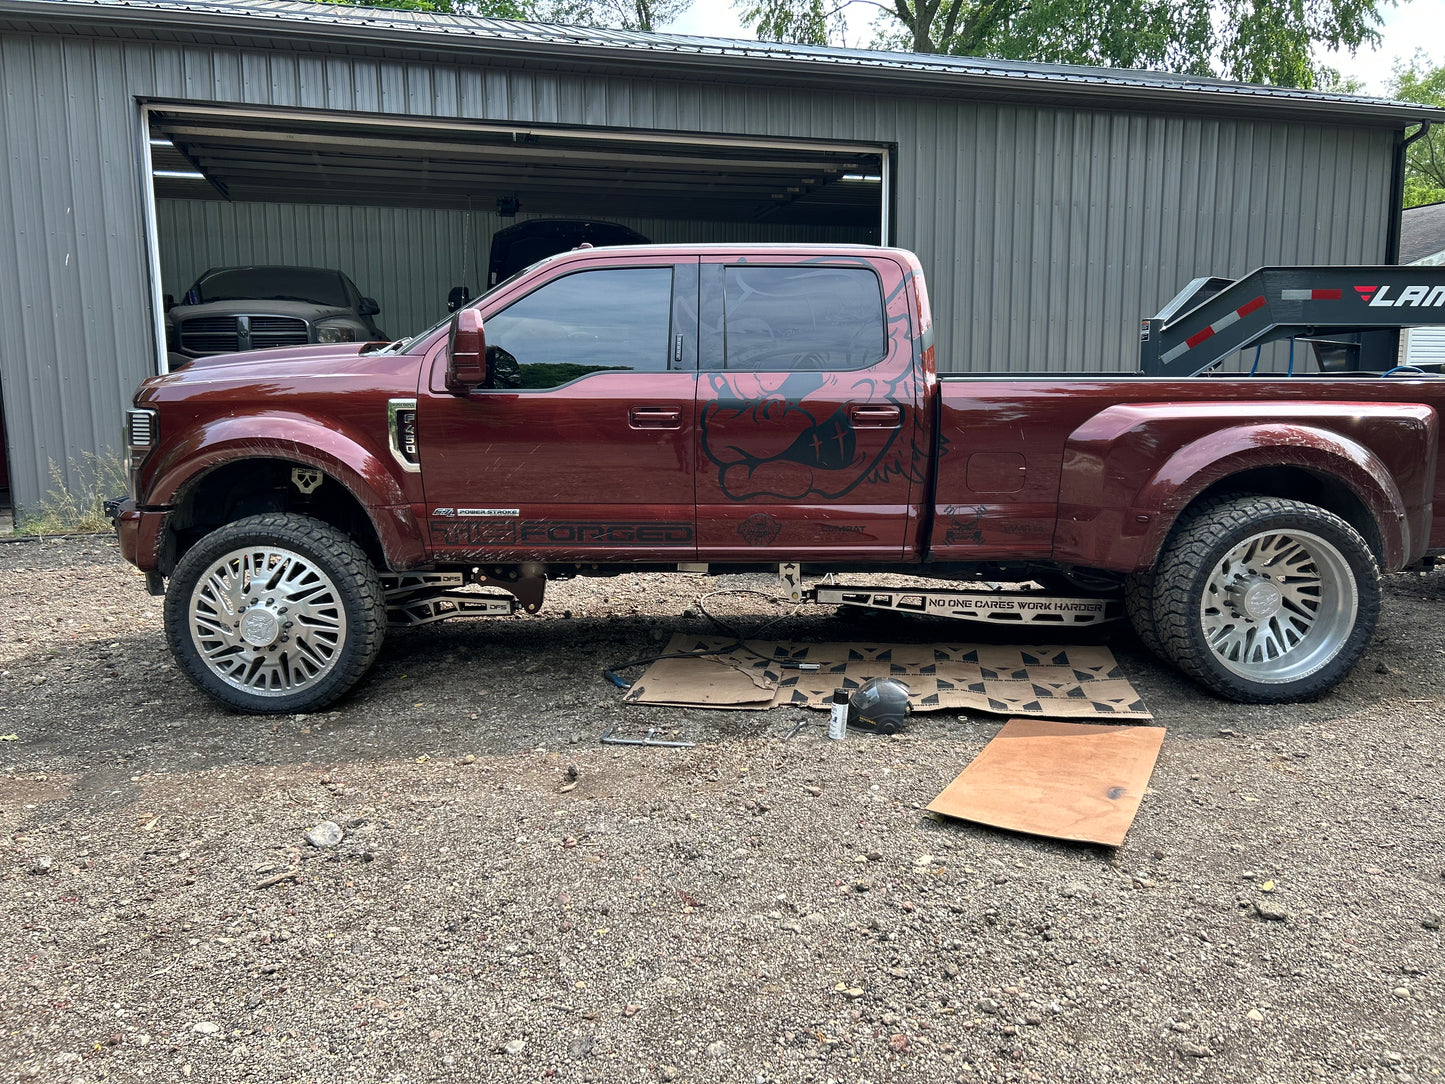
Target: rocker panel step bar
{"x": 989, "y": 607}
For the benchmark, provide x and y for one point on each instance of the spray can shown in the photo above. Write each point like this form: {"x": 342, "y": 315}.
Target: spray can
{"x": 838, "y": 721}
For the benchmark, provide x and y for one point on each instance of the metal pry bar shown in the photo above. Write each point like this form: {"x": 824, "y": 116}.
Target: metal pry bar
{"x": 649, "y": 741}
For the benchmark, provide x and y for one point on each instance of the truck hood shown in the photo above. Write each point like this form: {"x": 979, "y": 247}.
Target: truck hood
{"x": 255, "y": 306}
{"x": 331, "y": 359}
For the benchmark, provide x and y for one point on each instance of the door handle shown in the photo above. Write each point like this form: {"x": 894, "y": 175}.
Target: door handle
{"x": 875, "y": 417}
{"x": 665, "y": 417}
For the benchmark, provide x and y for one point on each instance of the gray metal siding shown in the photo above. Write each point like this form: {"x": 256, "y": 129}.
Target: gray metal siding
{"x": 1047, "y": 233}
{"x": 74, "y": 335}
{"x": 1424, "y": 346}
{"x": 408, "y": 259}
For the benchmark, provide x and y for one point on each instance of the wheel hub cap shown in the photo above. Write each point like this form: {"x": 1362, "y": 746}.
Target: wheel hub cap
{"x": 1256, "y": 599}
{"x": 260, "y": 627}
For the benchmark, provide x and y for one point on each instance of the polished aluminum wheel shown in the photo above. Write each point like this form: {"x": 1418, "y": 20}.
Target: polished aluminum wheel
{"x": 267, "y": 621}
{"x": 1279, "y": 606}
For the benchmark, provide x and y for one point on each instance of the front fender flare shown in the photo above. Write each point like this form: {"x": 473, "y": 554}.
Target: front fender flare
{"x": 364, "y": 472}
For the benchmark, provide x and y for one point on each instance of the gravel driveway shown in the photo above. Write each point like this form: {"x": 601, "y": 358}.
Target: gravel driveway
{"x": 511, "y": 900}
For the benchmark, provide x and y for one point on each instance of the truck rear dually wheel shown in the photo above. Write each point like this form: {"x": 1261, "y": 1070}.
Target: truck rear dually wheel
{"x": 275, "y": 613}
{"x": 1266, "y": 600}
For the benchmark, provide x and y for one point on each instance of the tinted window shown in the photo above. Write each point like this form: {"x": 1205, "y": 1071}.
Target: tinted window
{"x": 802, "y": 317}
{"x": 275, "y": 284}
{"x": 616, "y": 318}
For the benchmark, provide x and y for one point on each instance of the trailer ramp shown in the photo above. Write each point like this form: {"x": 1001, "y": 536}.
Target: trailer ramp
{"x": 1348, "y": 313}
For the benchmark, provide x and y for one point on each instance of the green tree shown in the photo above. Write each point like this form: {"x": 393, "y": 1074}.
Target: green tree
{"x": 1255, "y": 41}
{"x": 1423, "y": 82}
{"x": 622, "y": 14}
{"x": 808, "y": 22}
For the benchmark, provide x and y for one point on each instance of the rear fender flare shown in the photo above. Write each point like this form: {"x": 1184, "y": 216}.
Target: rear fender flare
{"x": 1117, "y": 507}
{"x": 1205, "y": 462}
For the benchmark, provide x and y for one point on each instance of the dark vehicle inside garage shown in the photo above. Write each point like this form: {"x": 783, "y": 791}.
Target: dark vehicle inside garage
{"x": 525, "y": 243}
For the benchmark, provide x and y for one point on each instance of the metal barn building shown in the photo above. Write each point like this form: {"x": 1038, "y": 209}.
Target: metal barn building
{"x": 1052, "y": 207}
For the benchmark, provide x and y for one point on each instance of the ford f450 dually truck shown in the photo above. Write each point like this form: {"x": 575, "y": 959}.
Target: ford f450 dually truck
{"x": 730, "y": 409}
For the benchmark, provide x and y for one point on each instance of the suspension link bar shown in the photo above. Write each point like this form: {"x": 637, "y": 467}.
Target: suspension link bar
{"x": 421, "y": 598}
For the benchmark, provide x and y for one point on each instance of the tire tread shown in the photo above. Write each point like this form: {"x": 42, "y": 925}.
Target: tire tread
{"x": 1187, "y": 551}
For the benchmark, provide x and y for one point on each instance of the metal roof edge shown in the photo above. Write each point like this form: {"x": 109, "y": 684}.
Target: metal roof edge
{"x": 966, "y": 77}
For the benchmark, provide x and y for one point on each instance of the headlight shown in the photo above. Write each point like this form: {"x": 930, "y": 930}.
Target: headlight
{"x": 335, "y": 333}
{"x": 142, "y": 434}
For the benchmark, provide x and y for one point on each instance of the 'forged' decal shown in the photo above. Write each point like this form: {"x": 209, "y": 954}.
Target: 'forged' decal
{"x": 475, "y": 533}
{"x": 541, "y": 532}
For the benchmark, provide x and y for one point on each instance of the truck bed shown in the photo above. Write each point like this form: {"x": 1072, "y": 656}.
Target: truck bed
{"x": 1086, "y": 470}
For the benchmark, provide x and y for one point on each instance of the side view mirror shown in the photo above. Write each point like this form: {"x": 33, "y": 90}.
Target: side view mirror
{"x": 368, "y": 307}
{"x": 466, "y": 352}
{"x": 458, "y": 297}
{"x": 169, "y": 302}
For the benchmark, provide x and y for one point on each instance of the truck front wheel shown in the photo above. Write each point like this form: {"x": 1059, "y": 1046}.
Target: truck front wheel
{"x": 275, "y": 613}
{"x": 1266, "y": 600}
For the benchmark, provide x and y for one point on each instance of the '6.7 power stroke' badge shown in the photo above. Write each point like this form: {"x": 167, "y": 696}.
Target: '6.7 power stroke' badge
{"x": 475, "y": 513}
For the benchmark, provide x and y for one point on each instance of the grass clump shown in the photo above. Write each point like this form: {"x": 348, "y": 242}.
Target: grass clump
{"x": 76, "y": 506}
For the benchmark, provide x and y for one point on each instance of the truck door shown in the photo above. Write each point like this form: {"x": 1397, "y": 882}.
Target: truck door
{"x": 808, "y": 423}
{"x": 582, "y": 446}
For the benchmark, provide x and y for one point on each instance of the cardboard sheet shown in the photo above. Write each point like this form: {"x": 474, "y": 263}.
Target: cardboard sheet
{"x": 1068, "y": 781}
{"x": 1074, "y": 682}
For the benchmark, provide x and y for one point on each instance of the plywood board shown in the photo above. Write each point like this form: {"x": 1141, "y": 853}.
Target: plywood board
{"x": 1071, "y": 781}
{"x": 1072, "y": 682}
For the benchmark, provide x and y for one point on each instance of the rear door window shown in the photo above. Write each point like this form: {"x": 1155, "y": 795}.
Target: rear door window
{"x": 792, "y": 318}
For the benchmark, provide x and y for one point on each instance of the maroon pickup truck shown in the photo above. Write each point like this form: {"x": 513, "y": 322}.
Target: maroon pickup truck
{"x": 741, "y": 408}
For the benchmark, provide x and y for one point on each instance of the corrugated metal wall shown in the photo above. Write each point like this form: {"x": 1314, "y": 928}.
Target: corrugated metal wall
{"x": 1047, "y": 233}
{"x": 74, "y": 314}
{"x": 408, "y": 259}
{"x": 1424, "y": 346}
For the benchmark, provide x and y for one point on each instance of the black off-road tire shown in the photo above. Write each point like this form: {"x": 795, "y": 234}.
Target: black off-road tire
{"x": 1139, "y": 593}
{"x": 1265, "y": 600}
{"x": 307, "y": 625}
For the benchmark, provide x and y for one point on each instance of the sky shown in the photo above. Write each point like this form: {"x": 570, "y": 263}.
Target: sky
{"x": 1415, "y": 24}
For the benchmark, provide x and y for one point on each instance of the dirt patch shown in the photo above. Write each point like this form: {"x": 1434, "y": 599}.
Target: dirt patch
{"x": 511, "y": 900}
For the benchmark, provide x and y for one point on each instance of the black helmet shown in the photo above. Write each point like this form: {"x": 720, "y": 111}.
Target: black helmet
{"x": 879, "y": 704}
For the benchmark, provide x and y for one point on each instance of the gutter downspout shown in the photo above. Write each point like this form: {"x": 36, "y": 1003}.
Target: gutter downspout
{"x": 1398, "y": 339}
{"x": 1397, "y": 193}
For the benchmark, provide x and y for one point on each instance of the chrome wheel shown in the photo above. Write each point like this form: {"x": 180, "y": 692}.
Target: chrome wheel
{"x": 267, "y": 621}
{"x": 1279, "y": 606}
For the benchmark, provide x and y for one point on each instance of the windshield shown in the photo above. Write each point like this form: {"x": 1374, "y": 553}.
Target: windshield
{"x": 404, "y": 346}
{"x": 273, "y": 284}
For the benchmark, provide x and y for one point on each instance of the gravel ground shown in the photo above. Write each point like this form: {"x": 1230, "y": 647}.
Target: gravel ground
{"x": 511, "y": 900}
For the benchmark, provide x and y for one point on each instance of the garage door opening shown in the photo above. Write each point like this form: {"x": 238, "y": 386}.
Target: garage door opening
{"x": 407, "y": 209}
